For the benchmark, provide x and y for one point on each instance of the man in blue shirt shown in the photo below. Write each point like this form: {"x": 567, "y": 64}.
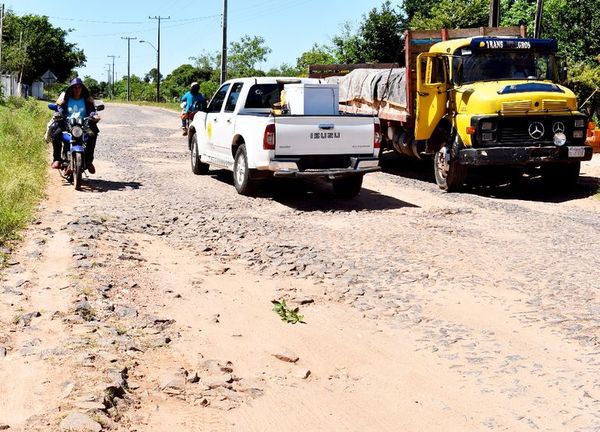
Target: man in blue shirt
{"x": 191, "y": 102}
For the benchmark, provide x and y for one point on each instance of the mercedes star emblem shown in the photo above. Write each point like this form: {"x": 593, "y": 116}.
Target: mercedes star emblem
{"x": 536, "y": 130}
{"x": 558, "y": 127}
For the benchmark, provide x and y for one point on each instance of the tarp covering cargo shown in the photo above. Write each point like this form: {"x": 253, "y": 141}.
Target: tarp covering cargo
{"x": 372, "y": 86}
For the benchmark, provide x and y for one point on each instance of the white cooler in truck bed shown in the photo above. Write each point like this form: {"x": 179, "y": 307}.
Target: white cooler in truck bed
{"x": 312, "y": 99}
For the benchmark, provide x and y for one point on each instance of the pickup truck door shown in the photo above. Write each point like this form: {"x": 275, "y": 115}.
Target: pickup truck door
{"x": 432, "y": 84}
{"x": 224, "y": 125}
{"x": 213, "y": 119}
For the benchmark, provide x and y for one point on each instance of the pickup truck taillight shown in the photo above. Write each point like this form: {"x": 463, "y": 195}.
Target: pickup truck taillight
{"x": 269, "y": 137}
{"x": 377, "y": 136}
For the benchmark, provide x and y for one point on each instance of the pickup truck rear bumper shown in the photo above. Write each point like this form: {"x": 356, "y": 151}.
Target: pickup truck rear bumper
{"x": 524, "y": 155}
{"x": 289, "y": 168}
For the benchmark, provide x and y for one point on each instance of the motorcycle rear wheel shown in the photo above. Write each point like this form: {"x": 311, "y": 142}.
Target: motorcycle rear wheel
{"x": 77, "y": 169}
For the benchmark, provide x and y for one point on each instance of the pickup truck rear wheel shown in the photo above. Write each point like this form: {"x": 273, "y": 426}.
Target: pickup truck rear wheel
{"x": 347, "y": 187}
{"x": 242, "y": 176}
{"x": 449, "y": 174}
{"x": 198, "y": 167}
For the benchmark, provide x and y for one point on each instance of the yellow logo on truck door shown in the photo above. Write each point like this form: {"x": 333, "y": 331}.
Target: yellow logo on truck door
{"x": 209, "y": 130}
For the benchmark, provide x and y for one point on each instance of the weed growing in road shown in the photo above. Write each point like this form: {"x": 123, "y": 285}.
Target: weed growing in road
{"x": 288, "y": 315}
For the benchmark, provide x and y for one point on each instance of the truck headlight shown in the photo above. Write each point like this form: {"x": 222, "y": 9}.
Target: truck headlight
{"x": 579, "y": 123}
{"x": 577, "y": 134}
{"x": 487, "y": 125}
{"x": 560, "y": 139}
{"x": 487, "y": 136}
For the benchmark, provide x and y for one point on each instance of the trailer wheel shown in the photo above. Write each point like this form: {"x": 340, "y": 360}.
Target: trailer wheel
{"x": 449, "y": 174}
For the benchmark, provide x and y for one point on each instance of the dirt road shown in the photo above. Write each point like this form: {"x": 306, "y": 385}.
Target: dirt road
{"x": 143, "y": 302}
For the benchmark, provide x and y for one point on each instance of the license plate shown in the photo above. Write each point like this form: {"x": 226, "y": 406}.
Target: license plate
{"x": 576, "y": 152}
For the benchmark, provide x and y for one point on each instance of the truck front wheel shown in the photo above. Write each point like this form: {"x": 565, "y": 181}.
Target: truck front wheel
{"x": 449, "y": 174}
{"x": 198, "y": 167}
{"x": 347, "y": 187}
{"x": 242, "y": 178}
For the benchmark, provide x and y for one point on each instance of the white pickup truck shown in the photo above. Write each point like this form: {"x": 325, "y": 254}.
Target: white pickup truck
{"x": 253, "y": 129}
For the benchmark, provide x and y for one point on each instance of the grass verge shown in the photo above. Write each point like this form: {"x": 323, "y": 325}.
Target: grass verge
{"x": 23, "y": 165}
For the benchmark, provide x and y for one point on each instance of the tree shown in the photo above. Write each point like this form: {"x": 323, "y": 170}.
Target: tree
{"x": 92, "y": 85}
{"x": 151, "y": 76}
{"x": 243, "y": 56}
{"x": 348, "y": 45}
{"x": 518, "y": 12}
{"x": 576, "y": 26}
{"x": 452, "y": 14}
{"x": 178, "y": 81}
{"x": 31, "y": 46}
{"x": 285, "y": 70}
{"x": 381, "y": 33}
{"x": 316, "y": 55}
{"x": 378, "y": 39}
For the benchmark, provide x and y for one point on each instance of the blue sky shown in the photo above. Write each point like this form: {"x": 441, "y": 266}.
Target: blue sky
{"x": 289, "y": 27}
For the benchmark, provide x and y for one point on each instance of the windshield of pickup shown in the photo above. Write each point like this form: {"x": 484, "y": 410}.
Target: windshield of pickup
{"x": 469, "y": 67}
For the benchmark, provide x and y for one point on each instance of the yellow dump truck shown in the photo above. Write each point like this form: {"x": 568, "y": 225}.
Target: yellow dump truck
{"x": 472, "y": 97}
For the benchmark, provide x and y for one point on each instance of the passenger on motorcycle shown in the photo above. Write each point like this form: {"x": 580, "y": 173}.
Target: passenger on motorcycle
{"x": 191, "y": 102}
{"x": 75, "y": 101}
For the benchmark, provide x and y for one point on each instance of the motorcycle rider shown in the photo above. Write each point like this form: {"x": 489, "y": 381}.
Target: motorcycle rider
{"x": 191, "y": 102}
{"x": 76, "y": 101}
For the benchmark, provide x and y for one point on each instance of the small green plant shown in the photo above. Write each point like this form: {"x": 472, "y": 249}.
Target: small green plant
{"x": 288, "y": 315}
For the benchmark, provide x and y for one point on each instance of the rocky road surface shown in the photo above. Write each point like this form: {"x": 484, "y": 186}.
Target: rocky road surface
{"x": 142, "y": 303}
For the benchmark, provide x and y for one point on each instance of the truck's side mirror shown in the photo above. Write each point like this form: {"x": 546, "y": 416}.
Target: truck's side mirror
{"x": 562, "y": 74}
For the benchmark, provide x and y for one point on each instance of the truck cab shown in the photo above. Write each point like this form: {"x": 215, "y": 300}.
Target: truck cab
{"x": 499, "y": 101}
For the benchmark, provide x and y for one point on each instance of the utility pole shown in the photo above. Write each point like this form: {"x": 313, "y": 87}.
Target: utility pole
{"x": 158, "y": 57}
{"x": 224, "y": 46}
{"x": 537, "y": 29}
{"x": 494, "y": 13}
{"x": 1, "y": 33}
{"x": 112, "y": 95}
{"x": 108, "y": 72}
{"x": 129, "y": 39}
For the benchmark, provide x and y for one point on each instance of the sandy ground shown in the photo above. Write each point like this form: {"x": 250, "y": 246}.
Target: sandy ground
{"x": 134, "y": 320}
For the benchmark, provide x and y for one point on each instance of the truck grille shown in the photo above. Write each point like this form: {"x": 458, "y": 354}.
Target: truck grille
{"x": 529, "y": 131}
{"x": 554, "y": 105}
{"x": 516, "y": 131}
{"x": 516, "y": 106}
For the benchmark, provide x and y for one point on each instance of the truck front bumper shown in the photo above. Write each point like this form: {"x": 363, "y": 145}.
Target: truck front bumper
{"x": 524, "y": 155}
{"x": 289, "y": 168}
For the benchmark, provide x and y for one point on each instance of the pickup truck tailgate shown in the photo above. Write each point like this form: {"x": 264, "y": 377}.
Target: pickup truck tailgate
{"x": 324, "y": 135}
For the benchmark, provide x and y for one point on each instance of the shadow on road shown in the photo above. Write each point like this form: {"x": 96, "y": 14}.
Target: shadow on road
{"x": 98, "y": 185}
{"x": 317, "y": 195}
{"x": 494, "y": 183}
{"x": 533, "y": 188}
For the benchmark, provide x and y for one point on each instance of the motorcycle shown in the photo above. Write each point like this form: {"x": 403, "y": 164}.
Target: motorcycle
{"x": 75, "y": 136}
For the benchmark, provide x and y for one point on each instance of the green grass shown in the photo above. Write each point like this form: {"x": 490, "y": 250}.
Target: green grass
{"x": 23, "y": 164}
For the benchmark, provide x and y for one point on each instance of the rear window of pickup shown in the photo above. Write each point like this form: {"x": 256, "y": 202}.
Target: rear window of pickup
{"x": 263, "y": 96}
